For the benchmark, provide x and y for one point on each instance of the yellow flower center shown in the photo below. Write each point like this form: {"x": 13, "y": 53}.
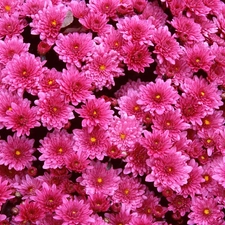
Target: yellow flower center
{"x": 168, "y": 123}
{"x": 99, "y": 180}
{"x": 126, "y": 191}
{"x": 60, "y": 150}
{"x": 208, "y": 140}
{"x": 7, "y": 8}
{"x": 197, "y": 60}
{"x": 54, "y": 23}
{"x": 136, "y": 108}
{"x": 50, "y": 82}
{"x": 93, "y": 139}
{"x": 206, "y": 177}
{"x": 202, "y": 93}
{"x": 102, "y": 67}
{"x": 55, "y": 109}
{"x": 206, "y": 211}
{"x": 122, "y": 136}
{"x": 18, "y": 152}
{"x": 158, "y": 96}
{"x": 206, "y": 122}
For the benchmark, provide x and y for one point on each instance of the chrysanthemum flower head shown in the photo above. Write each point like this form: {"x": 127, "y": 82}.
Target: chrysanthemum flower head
{"x": 79, "y": 8}
{"x": 169, "y": 170}
{"x": 157, "y": 97}
{"x": 47, "y": 22}
{"x": 74, "y": 86}
{"x": 95, "y": 143}
{"x": 96, "y": 112}
{"x": 53, "y": 111}
{"x": 74, "y": 211}
{"x": 124, "y": 131}
{"x": 17, "y": 152}
{"x": 205, "y": 210}
{"x": 11, "y": 46}
{"x": 130, "y": 192}
{"x": 136, "y": 57}
{"x": 74, "y": 47}
{"x": 99, "y": 202}
{"x": 21, "y": 118}
{"x": 22, "y": 73}
{"x": 98, "y": 178}
{"x": 6, "y": 191}
{"x": 55, "y": 147}
{"x": 135, "y": 30}
{"x": 48, "y": 197}
{"x": 166, "y": 47}
{"x": 199, "y": 57}
{"x": 11, "y": 25}
{"x": 10, "y": 7}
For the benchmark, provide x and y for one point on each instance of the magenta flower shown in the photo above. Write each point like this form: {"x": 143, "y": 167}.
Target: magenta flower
{"x": 29, "y": 211}
{"x": 205, "y": 210}
{"x": 99, "y": 202}
{"x": 74, "y": 212}
{"x": 17, "y": 152}
{"x": 11, "y": 25}
{"x": 55, "y": 147}
{"x": 96, "y": 112}
{"x": 99, "y": 179}
{"x": 169, "y": 170}
{"x": 94, "y": 143}
{"x": 11, "y": 46}
{"x": 136, "y": 161}
{"x": 135, "y": 30}
{"x": 48, "y": 197}
{"x": 166, "y": 47}
{"x": 199, "y": 57}
{"x": 10, "y": 7}
{"x": 47, "y": 22}
{"x": 136, "y": 57}
{"x": 21, "y": 118}
{"x": 73, "y": 48}
{"x": 52, "y": 110}
{"x": 6, "y": 191}
{"x": 102, "y": 67}
{"x": 74, "y": 86}
{"x": 157, "y": 97}
{"x": 130, "y": 193}
{"x": 22, "y": 73}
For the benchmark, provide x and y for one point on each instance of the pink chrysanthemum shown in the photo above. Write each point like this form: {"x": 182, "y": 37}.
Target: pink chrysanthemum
{"x": 136, "y": 57}
{"x": 96, "y": 112}
{"x": 205, "y": 211}
{"x": 30, "y": 7}
{"x": 177, "y": 203}
{"x": 193, "y": 185}
{"x": 23, "y": 72}
{"x": 95, "y": 143}
{"x": 6, "y": 191}
{"x": 74, "y": 86}
{"x": 10, "y": 7}
{"x": 191, "y": 110}
{"x": 157, "y": 143}
{"x": 21, "y": 118}
{"x": 140, "y": 220}
{"x": 169, "y": 170}
{"x": 95, "y": 21}
{"x": 11, "y": 25}
{"x": 47, "y": 22}
{"x": 166, "y": 47}
{"x": 136, "y": 161}
{"x": 196, "y": 7}
{"x": 79, "y": 8}
{"x": 171, "y": 121}
{"x": 74, "y": 212}
{"x": 29, "y": 212}
{"x": 155, "y": 14}
{"x": 139, "y": 5}
{"x": 123, "y": 132}
{"x": 219, "y": 171}
{"x": 130, "y": 192}
{"x": 107, "y": 7}
{"x": 74, "y": 47}
{"x": 27, "y": 186}
{"x": 205, "y": 93}
{"x": 98, "y": 178}
{"x": 135, "y": 30}
{"x": 48, "y": 198}
{"x": 157, "y": 97}
{"x": 99, "y": 202}
{"x": 77, "y": 161}
{"x": 11, "y": 46}
{"x": 187, "y": 30}
{"x": 55, "y": 147}
{"x": 199, "y": 57}
{"x": 17, "y": 152}
{"x": 128, "y": 104}
{"x": 53, "y": 111}
{"x": 102, "y": 67}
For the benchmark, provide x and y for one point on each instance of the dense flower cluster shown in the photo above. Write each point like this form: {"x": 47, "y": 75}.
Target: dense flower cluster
{"x": 112, "y": 112}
